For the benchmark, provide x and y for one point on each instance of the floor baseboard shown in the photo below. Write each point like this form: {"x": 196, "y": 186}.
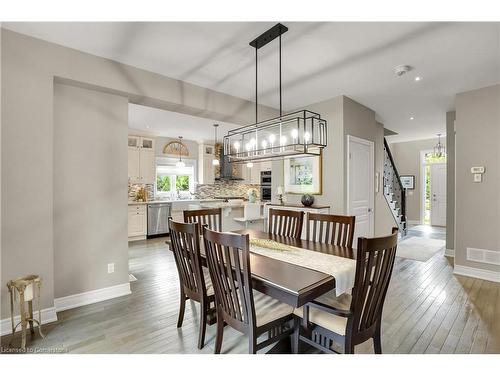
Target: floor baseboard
{"x": 477, "y": 273}
{"x": 48, "y": 316}
{"x": 92, "y": 296}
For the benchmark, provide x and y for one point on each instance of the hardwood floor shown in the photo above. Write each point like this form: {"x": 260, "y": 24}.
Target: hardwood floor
{"x": 427, "y": 310}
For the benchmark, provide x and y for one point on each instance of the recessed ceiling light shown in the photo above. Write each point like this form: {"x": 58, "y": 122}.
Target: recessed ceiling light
{"x": 412, "y": 118}
{"x": 418, "y": 78}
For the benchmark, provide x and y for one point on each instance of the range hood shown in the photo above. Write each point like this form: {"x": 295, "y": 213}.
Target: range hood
{"x": 228, "y": 170}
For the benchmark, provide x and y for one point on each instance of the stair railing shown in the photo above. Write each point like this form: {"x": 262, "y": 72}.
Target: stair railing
{"x": 392, "y": 179}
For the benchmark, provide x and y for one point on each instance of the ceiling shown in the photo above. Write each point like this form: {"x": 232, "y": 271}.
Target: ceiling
{"x": 320, "y": 61}
{"x": 172, "y": 124}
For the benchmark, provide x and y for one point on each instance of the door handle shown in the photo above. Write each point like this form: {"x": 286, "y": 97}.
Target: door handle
{"x": 370, "y": 210}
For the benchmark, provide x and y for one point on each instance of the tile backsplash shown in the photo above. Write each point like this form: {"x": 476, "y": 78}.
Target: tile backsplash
{"x": 134, "y": 188}
{"x": 203, "y": 191}
{"x": 224, "y": 189}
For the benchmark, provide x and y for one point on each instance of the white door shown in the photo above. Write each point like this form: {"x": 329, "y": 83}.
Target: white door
{"x": 360, "y": 185}
{"x": 438, "y": 194}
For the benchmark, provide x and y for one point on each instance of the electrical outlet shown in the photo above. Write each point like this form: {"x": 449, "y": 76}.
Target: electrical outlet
{"x": 111, "y": 267}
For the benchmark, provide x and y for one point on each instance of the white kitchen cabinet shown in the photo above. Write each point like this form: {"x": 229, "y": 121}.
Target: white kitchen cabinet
{"x": 206, "y": 169}
{"x": 134, "y": 172}
{"x": 137, "y": 222}
{"x": 147, "y": 166}
{"x": 141, "y": 160}
{"x": 252, "y": 175}
{"x": 266, "y": 166}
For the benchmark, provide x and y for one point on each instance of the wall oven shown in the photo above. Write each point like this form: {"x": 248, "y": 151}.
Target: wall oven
{"x": 265, "y": 186}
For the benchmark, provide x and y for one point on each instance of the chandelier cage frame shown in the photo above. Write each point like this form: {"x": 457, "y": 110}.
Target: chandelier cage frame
{"x": 306, "y": 129}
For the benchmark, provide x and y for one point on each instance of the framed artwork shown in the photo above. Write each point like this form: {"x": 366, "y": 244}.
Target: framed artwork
{"x": 408, "y": 181}
{"x": 303, "y": 175}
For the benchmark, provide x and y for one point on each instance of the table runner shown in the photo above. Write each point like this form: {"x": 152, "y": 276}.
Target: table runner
{"x": 342, "y": 269}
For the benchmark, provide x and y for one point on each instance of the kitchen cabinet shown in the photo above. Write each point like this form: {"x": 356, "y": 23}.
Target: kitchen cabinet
{"x": 252, "y": 175}
{"x": 141, "y": 160}
{"x": 137, "y": 222}
{"x": 206, "y": 170}
{"x": 178, "y": 208}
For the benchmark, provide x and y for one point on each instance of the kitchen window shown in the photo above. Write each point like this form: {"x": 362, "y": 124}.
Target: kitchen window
{"x": 173, "y": 182}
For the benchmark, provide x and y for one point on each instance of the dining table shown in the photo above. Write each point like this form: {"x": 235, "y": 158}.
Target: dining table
{"x": 290, "y": 283}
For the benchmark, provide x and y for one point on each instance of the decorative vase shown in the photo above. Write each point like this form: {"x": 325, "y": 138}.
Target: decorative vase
{"x": 252, "y": 195}
{"x": 307, "y": 200}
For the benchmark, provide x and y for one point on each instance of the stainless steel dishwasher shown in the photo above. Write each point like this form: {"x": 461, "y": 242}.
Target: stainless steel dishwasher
{"x": 158, "y": 214}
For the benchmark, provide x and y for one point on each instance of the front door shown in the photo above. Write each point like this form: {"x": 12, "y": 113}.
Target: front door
{"x": 361, "y": 187}
{"x": 438, "y": 194}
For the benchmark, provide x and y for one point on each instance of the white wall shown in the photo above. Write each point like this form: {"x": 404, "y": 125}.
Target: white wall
{"x": 90, "y": 190}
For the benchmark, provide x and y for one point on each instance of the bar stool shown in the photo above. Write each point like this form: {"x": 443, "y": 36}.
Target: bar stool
{"x": 24, "y": 289}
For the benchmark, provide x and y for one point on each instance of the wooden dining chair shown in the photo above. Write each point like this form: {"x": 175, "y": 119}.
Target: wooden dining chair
{"x": 195, "y": 284}
{"x": 359, "y": 318}
{"x": 209, "y": 216}
{"x": 286, "y": 223}
{"x": 330, "y": 229}
{"x": 238, "y": 305}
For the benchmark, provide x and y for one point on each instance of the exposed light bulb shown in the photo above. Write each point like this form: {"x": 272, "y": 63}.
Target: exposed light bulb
{"x": 418, "y": 78}
{"x": 295, "y": 133}
{"x": 180, "y": 164}
{"x": 283, "y": 140}
{"x": 272, "y": 138}
{"x": 249, "y": 165}
{"x": 252, "y": 142}
{"x": 237, "y": 145}
{"x": 248, "y": 146}
{"x": 264, "y": 143}
{"x": 307, "y": 137}
{"x": 215, "y": 162}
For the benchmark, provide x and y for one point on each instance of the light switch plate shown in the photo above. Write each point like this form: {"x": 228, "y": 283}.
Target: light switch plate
{"x": 477, "y": 170}
{"x": 111, "y": 267}
{"x": 478, "y": 177}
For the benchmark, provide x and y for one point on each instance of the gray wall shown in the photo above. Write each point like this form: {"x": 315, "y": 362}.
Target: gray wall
{"x": 90, "y": 190}
{"x": 450, "y": 180}
{"x": 29, "y": 68}
{"x": 477, "y": 142}
{"x": 407, "y": 158}
{"x": 359, "y": 121}
{"x": 333, "y": 163}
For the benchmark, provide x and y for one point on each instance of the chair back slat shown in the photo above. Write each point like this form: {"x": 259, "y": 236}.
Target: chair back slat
{"x": 185, "y": 240}
{"x": 374, "y": 264}
{"x": 207, "y": 216}
{"x": 330, "y": 229}
{"x": 285, "y": 223}
{"x": 228, "y": 259}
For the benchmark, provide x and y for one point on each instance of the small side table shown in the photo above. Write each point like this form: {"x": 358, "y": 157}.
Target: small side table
{"x": 26, "y": 289}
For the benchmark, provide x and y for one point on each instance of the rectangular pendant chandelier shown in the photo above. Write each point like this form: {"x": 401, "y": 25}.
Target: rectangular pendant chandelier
{"x": 300, "y": 133}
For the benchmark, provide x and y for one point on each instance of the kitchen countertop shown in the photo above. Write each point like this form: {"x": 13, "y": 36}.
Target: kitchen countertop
{"x": 317, "y": 206}
{"x": 173, "y": 201}
{"x": 217, "y": 204}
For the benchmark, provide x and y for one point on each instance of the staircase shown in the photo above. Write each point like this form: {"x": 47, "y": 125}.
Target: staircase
{"x": 394, "y": 193}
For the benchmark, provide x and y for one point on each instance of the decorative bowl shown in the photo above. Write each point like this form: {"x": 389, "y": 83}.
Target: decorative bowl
{"x": 307, "y": 200}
